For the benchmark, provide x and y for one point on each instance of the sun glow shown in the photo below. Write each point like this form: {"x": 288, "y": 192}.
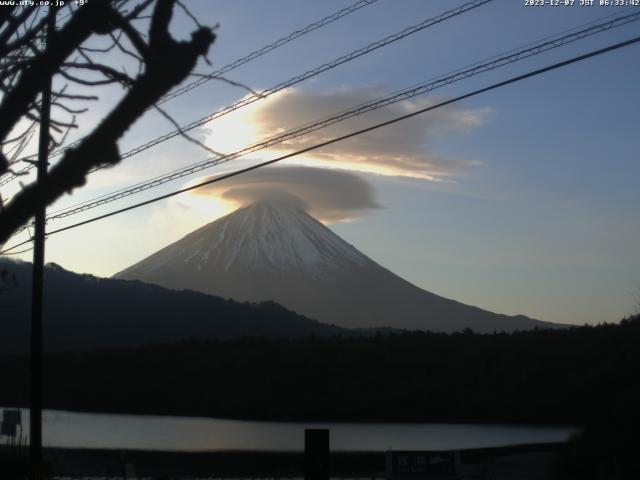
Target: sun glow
{"x": 362, "y": 167}
{"x": 209, "y": 207}
{"x": 233, "y": 132}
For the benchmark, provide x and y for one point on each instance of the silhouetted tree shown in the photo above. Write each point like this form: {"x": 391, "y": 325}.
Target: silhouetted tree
{"x": 76, "y": 65}
{"x": 582, "y": 376}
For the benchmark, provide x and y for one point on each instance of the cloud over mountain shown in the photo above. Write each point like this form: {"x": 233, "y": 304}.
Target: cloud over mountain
{"x": 399, "y": 149}
{"x": 328, "y": 195}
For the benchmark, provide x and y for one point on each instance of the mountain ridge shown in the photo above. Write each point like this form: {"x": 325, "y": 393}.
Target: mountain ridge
{"x": 271, "y": 251}
{"x": 84, "y": 312}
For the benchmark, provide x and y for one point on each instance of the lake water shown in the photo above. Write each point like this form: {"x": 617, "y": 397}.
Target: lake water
{"x": 146, "y": 432}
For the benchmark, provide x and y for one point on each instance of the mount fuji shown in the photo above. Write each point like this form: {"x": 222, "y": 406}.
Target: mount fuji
{"x": 272, "y": 251}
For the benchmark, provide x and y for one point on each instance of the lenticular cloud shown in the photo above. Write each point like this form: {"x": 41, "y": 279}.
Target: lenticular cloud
{"x": 328, "y": 195}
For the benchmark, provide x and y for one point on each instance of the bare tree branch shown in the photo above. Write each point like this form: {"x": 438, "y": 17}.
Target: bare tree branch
{"x": 229, "y": 81}
{"x": 185, "y": 135}
{"x": 86, "y": 21}
{"x": 167, "y": 62}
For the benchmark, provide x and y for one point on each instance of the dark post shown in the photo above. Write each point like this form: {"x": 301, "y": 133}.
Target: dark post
{"x": 35, "y": 363}
{"x": 316, "y": 454}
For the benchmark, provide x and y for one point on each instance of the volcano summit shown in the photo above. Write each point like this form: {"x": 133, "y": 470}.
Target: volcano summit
{"x": 272, "y": 251}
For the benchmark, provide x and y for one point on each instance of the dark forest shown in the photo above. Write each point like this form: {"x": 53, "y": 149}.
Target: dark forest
{"x": 568, "y": 376}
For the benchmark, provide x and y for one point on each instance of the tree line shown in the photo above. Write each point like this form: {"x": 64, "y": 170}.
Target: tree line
{"x": 542, "y": 376}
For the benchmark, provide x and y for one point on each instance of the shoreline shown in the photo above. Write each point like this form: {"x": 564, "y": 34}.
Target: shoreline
{"x": 300, "y": 421}
{"x": 251, "y": 463}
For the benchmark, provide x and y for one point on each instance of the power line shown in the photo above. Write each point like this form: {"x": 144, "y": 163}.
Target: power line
{"x": 9, "y": 176}
{"x": 510, "y": 56}
{"x": 494, "y": 86}
{"x": 311, "y": 73}
{"x": 446, "y": 79}
{"x": 268, "y": 48}
{"x": 494, "y": 62}
{"x": 420, "y": 89}
{"x": 283, "y": 85}
{"x": 20, "y": 252}
{"x": 227, "y": 68}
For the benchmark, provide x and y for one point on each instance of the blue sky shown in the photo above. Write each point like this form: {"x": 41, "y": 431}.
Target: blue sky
{"x": 540, "y": 214}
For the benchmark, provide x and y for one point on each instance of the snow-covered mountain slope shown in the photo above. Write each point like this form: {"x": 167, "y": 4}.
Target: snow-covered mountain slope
{"x": 258, "y": 237}
{"x": 276, "y": 252}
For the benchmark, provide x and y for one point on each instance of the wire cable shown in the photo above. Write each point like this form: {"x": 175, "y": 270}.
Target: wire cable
{"x": 292, "y": 81}
{"x": 268, "y": 48}
{"x": 231, "y": 66}
{"x": 220, "y": 178}
{"x": 311, "y": 73}
{"x": 9, "y": 177}
{"x": 411, "y": 92}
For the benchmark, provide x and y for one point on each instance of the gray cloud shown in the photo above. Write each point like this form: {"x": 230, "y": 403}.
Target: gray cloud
{"x": 328, "y": 195}
{"x": 402, "y": 148}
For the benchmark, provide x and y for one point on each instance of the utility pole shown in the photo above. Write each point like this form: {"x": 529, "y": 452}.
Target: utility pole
{"x": 36, "y": 357}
